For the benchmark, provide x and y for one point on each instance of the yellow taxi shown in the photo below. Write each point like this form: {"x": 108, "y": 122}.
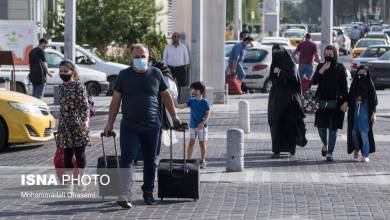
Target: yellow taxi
{"x": 364, "y": 43}
{"x": 23, "y": 119}
{"x": 295, "y": 36}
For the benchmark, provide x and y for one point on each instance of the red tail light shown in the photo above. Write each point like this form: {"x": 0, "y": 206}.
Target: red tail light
{"x": 354, "y": 66}
{"x": 259, "y": 67}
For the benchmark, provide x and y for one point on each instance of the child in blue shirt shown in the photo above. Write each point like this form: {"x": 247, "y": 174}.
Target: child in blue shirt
{"x": 199, "y": 115}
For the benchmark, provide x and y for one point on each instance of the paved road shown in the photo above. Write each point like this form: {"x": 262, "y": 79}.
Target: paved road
{"x": 299, "y": 187}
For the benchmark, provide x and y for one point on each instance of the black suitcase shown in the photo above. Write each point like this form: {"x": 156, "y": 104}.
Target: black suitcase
{"x": 178, "y": 178}
{"x": 108, "y": 165}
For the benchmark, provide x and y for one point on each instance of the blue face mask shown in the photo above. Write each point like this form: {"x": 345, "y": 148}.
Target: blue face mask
{"x": 140, "y": 63}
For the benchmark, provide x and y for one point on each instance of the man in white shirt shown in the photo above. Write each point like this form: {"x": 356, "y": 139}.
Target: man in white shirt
{"x": 177, "y": 59}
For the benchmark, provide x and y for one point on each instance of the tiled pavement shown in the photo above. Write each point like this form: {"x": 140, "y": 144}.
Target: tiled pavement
{"x": 299, "y": 187}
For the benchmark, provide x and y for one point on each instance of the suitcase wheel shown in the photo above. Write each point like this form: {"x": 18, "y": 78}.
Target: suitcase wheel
{"x": 162, "y": 198}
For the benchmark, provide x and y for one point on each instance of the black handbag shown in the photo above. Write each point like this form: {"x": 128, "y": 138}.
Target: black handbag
{"x": 327, "y": 104}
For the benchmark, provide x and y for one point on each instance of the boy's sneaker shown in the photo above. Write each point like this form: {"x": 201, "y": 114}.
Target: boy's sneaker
{"x": 202, "y": 164}
{"x": 366, "y": 159}
{"x": 148, "y": 198}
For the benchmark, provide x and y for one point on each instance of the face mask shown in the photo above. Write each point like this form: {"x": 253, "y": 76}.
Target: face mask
{"x": 65, "y": 77}
{"x": 140, "y": 63}
{"x": 361, "y": 76}
{"x": 329, "y": 59}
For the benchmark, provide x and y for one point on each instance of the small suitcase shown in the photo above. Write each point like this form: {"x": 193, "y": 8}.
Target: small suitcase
{"x": 178, "y": 178}
{"x": 234, "y": 85}
{"x": 108, "y": 165}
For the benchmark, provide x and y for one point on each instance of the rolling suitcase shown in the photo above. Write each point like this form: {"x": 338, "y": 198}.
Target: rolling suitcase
{"x": 108, "y": 165}
{"x": 178, "y": 178}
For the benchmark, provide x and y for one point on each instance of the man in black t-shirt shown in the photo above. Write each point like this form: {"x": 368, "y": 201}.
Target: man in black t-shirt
{"x": 38, "y": 69}
{"x": 138, "y": 88}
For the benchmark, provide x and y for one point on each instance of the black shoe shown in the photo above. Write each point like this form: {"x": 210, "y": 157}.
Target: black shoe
{"x": 292, "y": 153}
{"x": 148, "y": 198}
{"x": 324, "y": 152}
{"x": 329, "y": 159}
{"x": 125, "y": 204}
{"x": 276, "y": 155}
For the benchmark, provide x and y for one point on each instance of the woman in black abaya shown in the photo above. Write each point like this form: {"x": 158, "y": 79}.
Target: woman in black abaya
{"x": 285, "y": 114}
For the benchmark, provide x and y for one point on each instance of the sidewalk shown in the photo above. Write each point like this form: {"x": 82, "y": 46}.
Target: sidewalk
{"x": 299, "y": 187}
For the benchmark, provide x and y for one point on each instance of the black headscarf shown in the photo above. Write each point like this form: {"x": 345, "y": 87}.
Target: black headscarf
{"x": 282, "y": 59}
{"x": 363, "y": 83}
{"x": 336, "y": 57}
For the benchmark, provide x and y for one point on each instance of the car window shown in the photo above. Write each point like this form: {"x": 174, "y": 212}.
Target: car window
{"x": 374, "y": 52}
{"x": 293, "y": 35}
{"x": 53, "y": 60}
{"x": 385, "y": 56}
{"x": 254, "y": 56}
{"x": 367, "y": 43}
{"x": 339, "y": 32}
{"x": 228, "y": 49}
{"x": 81, "y": 58}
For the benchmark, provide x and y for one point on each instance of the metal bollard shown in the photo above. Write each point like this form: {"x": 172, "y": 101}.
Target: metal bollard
{"x": 55, "y": 95}
{"x": 235, "y": 150}
{"x": 244, "y": 116}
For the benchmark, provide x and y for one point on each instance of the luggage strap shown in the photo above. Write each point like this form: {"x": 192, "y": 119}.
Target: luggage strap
{"x": 111, "y": 134}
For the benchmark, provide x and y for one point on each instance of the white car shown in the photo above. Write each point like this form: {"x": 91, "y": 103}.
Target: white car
{"x": 257, "y": 64}
{"x": 86, "y": 59}
{"x": 343, "y": 40}
{"x": 94, "y": 81}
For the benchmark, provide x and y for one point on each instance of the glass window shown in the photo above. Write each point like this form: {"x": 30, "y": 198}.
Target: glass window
{"x": 367, "y": 43}
{"x": 81, "y": 58}
{"x": 254, "y": 56}
{"x": 293, "y": 35}
{"x": 385, "y": 56}
{"x": 53, "y": 60}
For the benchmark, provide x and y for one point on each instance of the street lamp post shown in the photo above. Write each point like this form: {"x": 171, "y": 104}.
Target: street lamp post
{"x": 326, "y": 23}
{"x": 70, "y": 30}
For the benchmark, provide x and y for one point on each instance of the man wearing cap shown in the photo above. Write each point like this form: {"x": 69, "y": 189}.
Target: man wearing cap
{"x": 237, "y": 54}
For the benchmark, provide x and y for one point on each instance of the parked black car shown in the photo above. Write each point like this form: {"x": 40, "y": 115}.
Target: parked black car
{"x": 380, "y": 70}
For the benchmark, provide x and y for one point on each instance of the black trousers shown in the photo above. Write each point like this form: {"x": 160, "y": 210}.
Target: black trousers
{"x": 79, "y": 153}
{"x": 180, "y": 74}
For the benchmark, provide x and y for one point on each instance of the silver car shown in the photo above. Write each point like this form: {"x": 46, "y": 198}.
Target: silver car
{"x": 369, "y": 54}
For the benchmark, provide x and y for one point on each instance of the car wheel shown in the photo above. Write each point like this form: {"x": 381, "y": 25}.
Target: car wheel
{"x": 111, "y": 80}
{"x": 3, "y": 136}
{"x": 267, "y": 86}
{"x": 20, "y": 88}
{"x": 93, "y": 89}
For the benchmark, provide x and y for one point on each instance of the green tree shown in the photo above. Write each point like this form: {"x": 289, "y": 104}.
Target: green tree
{"x": 125, "y": 22}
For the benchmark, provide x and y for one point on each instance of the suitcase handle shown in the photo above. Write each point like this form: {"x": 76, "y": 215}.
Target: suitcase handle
{"x": 110, "y": 134}
{"x": 183, "y": 127}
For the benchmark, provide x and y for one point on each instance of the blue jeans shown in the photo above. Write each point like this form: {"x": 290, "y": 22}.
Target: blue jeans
{"x": 328, "y": 140}
{"x": 131, "y": 141}
{"x": 361, "y": 127}
{"x": 305, "y": 69}
{"x": 39, "y": 90}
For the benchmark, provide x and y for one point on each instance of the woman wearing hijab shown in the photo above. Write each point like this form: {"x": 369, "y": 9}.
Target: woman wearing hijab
{"x": 362, "y": 102}
{"x": 285, "y": 114}
{"x": 332, "y": 95}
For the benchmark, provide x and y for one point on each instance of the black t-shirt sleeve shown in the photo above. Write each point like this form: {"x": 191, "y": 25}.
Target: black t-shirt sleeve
{"x": 41, "y": 55}
{"x": 163, "y": 83}
{"x": 119, "y": 82}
